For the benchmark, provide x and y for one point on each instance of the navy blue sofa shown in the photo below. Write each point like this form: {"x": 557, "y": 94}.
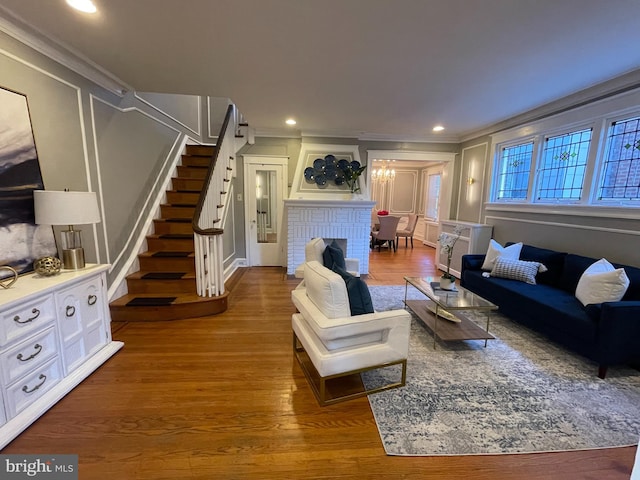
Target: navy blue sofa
{"x": 607, "y": 333}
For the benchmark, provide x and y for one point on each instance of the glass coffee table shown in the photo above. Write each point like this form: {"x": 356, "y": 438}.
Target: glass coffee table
{"x": 442, "y": 311}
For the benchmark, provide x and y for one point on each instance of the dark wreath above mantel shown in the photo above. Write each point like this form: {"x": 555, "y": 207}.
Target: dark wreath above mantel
{"x": 331, "y": 170}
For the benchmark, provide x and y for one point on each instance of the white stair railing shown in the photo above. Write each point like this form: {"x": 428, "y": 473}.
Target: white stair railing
{"x": 212, "y": 210}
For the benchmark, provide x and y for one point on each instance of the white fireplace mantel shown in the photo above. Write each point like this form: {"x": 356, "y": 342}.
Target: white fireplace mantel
{"x": 330, "y": 218}
{"x": 331, "y": 203}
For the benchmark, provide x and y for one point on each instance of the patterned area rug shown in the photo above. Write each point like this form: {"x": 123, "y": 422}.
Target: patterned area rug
{"x": 521, "y": 394}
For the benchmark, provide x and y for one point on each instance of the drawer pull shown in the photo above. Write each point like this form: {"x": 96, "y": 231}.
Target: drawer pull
{"x": 38, "y": 349}
{"x": 36, "y": 314}
{"x": 42, "y": 377}
{"x": 92, "y": 300}
{"x": 71, "y": 311}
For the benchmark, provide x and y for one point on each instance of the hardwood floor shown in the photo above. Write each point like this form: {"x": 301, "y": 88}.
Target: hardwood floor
{"x": 222, "y": 398}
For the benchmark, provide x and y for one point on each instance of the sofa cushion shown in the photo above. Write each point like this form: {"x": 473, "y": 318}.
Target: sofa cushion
{"x": 496, "y": 250}
{"x": 358, "y": 292}
{"x": 327, "y": 290}
{"x": 546, "y": 309}
{"x": 333, "y": 255}
{"x": 602, "y": 282}
{"x": 517, "y": 270}
{"x": 554, "y": 261}
{"x": 574, "y": 267}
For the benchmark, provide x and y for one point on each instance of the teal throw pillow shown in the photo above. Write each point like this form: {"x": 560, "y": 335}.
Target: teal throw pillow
{"x": 333, "y": 255}
{"x": 357, "y": 291}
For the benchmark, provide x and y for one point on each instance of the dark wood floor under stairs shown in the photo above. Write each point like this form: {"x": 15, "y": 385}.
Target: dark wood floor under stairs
{"x": 165, "y": 286}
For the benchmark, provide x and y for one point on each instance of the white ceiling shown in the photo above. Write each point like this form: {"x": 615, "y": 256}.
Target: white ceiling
{"x": 387, "y": 69}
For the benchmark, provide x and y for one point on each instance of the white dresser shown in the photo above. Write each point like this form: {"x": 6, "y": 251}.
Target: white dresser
{"x": 54, "y": 332}
{"x": 473, "y": 239}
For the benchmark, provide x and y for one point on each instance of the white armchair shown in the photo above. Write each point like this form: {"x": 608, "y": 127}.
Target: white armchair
{"x": 314, "y": 249}
{"x": 330, "y": 344}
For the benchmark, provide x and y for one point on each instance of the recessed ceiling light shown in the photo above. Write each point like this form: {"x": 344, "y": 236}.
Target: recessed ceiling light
{"x": 438, "y": 128}
{"x": 85, "y": 6}
{"x": 290, "y": 121}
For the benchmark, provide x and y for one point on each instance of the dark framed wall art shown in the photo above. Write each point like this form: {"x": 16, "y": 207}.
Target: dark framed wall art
{"x": 21, "y": 240}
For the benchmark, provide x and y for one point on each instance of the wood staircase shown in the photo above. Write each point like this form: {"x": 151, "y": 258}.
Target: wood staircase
{"x": 165, "y": 286}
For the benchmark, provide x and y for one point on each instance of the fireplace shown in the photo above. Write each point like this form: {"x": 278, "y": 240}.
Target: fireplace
{"x": 348, "y": 221}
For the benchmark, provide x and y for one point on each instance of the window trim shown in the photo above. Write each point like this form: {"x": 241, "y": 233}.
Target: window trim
{"x": 607, "y": 123}
{"x": 594, "y": 211}
{"x": 427, "y": 193}
{"x": 495, "y": 169}
{"x": 540, "y": 130}
{"x": 543, "y": 138}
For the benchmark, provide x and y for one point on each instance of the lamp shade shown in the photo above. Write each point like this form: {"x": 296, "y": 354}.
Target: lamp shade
{"x": 65, "y": 208}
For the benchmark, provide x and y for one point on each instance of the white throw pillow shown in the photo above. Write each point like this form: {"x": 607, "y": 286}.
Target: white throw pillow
{"x": 602, "y": 282}
{"x": 512, "y": 252}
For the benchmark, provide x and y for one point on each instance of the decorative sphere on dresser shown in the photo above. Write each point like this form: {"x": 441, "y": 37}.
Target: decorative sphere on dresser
{"x": 47, "y": 266}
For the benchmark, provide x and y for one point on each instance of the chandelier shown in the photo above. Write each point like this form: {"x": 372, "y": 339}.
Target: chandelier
{"x": 383, "y": 173}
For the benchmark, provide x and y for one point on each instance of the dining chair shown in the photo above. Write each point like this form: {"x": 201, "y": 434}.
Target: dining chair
{"x": 407, "y": 231}
{"x": 386, "y": 233}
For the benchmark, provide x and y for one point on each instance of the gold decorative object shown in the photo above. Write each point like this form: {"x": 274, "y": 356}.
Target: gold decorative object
{"x": 47, "y": 266}
{"x": 7, "y": 282}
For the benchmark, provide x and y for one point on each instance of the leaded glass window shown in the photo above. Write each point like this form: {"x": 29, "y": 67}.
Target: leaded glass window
{"x": 563, "y": 166}
{"x": 513, "y": 176}
{"x": 621, "y": 169}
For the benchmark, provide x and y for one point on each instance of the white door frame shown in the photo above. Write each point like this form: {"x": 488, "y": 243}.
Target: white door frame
{"x": 249, "y": 201}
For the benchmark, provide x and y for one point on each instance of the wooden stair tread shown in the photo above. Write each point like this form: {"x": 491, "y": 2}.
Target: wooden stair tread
{"x": 179, "y": 236}
{"x": 175, "y": 220}
{"x": 190, "y": 276}
{"x": 185, "y": 305}
{"x": 182, "y": 236}
{"x": 166, "y": 254}
{"x": 181, "y": 298}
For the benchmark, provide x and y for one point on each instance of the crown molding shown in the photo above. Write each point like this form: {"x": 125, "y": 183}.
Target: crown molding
{"x": 360, "y": 136}
{"x": 434, "y": 138}
{"x": 615, "y": 86}
{"x": 16, "y": 27}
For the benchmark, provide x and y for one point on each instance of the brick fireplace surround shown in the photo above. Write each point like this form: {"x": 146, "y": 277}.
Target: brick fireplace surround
{"x": 341, "y": 219}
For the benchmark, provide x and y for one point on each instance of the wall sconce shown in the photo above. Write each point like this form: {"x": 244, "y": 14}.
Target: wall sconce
{"x": 470, "y": 181}
{"x": 67, "y": 208}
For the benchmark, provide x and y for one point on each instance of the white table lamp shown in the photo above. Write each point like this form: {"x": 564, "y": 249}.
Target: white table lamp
{"x": 67, "y": 208}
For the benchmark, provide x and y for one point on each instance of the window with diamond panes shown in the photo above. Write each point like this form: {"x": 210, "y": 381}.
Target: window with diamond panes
{"x": 563, "y": 166}
{"x": 621, "y": 175}
{"x": 513, "y": 176}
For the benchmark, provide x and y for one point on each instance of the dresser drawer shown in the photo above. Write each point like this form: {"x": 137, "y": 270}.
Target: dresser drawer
{"x": 26, "y": 318}
{"x": 27, "y": 390}
{"x": 28, "y": 355}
